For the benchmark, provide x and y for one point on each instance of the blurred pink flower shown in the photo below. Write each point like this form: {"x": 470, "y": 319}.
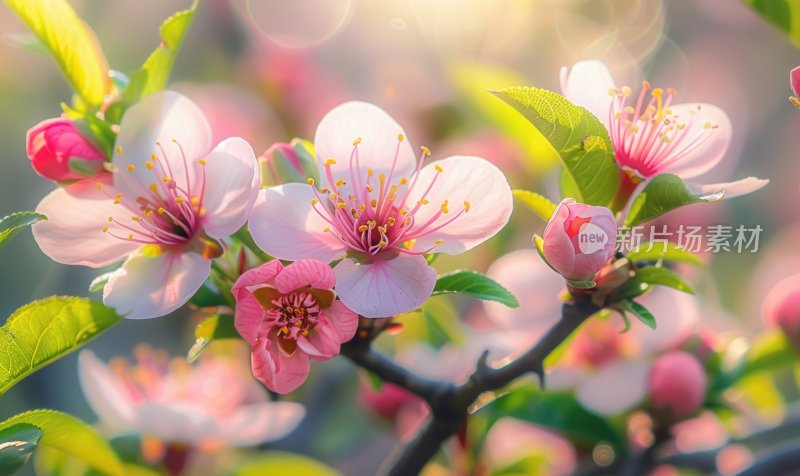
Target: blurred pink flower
{"x": 794, "y": 81}
{"x": 579, "y": 239}
{"x": 381, "y": 210}
{"x": 652, "y": 136}
{"x": 51, "y": 145}
{"x": 782, "y": 308}
{"x": 215, "y": 402}
{"x": 677, "y": 384}
{"x": 288, "y": 315}
{"x": 511, "y": 440}
{"x": 169, "y": 197}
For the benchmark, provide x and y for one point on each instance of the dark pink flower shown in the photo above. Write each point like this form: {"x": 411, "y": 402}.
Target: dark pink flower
{"x": 677, "y": 383}
{"x": 51, "y": 145}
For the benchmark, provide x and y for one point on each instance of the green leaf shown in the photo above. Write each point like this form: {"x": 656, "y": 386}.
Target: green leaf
{"x": 208, "y": 296}
{"x": 72, "y": 437}
{"x": 17, "y": 443}
{"x": 580, "y": 139}
{"x": 783, "y": 14}
{"x": 14, "y": 223}
{"x": 768, "y": 353}
{"x": 663, "y": 251}
{"x": 71, "y": 42}
{"x": 538, "y": 204}
{"x": 278, "y": 462}
{"x": 663, "y": 277}
{"x": 641, "y": 313}
{"x": 44, "y": 331}
{"x": 211, "y": 329}
{"x": 663, "y": 193}
{"x": 476, "y": 285}
{"x": 155, "y": 71}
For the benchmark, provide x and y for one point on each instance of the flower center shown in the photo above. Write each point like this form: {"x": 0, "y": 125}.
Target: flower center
{"x": 293, "y": 316}
{"x": 375, "y": 213}
{"x": 650, "y": 136}
{"x": 165, "y": 211}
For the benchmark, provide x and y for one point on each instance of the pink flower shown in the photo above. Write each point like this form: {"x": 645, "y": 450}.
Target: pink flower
{"x": 651, "y": 135}
{"x": 782, "y": 308}
{"x": 288, "y": 315}
{"x": 512, "y": 441}
{"x": 214, "y": 402}
{"x": 677, "y": 384}
{"x": 794, "y": 81}
{"x": 169, "y": 197}
{"x": 51, "y": 145}
{"x": 381, "y": 211}
{"x": 579, "y": 239}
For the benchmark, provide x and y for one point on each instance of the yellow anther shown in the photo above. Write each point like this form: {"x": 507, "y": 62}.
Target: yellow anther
{"x": 119, "y": 149}
{"x": 99, "y": 186}
{"x": 326, "y": 229}
{"x": 403, "y": 181}
{"x": 341, "y": 205}
{"x": 340, "y": 183}
{"x": 466, "y": 206}
{"x": 392, "y": 196}
{"x": 105, "y": 229}
{"x": 426, "y": 151}
{"x": 130, "y": 236}
{"x": 179, "y": 200}
{"x": 362, "y": 207}
{"x": 324, "y": 190}
{"x": 149, "y": 165}
{"x": 438, "y": 169}
{"x": 438, "y": 242}
{"x": 423, "y": 202}
{"x": 707, "y": 125}
{"x": 195, "y": 200}
{"x": 202, "y": 162}
{"x": 118, "y": 196}
{"x": 116, "y": 201}
{"x": 285, "y": 330}
{"x": 329, "y": 162}
{"x": 381, "y": 244}
{"x": 369, "y": 188}
{"x": 373, "y": 202}
{"x": 370, "y": 172}
{"x": 444, "y": 206}
{"x": 136, "y": 219}
{"x": 153, "y": 187}
{"x": 664, "y": 138}
{"x": 357, "y": 141}
{"x": 110, "y": 218}
{"x": 382, "y": 229}
{"x": 400, "y": 137}
{"x": 363, "y": 228}
{"x": 131, "y": 168}
{"x": 304, "y": 333}
{"x": 381, "y": 177}
{"x": 154, "y": 157}
{"x": 391, "y": 221}
{"x": 310, "y": 181}
{"x": 161, "y": 210}
{"x": 403, "y": 212}
{"x": 148, "y": 213}
{"x": 202, "y": 211}
{"x": 314, "y": 201}
{"x": 658, "y": 92}
{"x": 165, "y": 179}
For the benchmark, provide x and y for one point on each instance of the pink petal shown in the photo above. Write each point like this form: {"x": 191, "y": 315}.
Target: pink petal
{"x": 73, "y": 232}
{"x": 677, "y": 314}
{"x": 249, "y": 312}
{"x": 322, "y": 343}
{"x": 615, "y": 387}
{"x": 251, "y": 425}
{"x": 175, "y": 422}
{"x": 731, "y": 189}
{"x": 104, "y": 392}
{"x": 232, "y": 185}
{"x": 279, "y": 372}
{"x": 343, "y": 320}
{"x": 379, "y": 141}
{"x": 284, "y": 225}
{"x": 464, "y": 179}
{"x": 385, "y": 288}
{"x": 586, "y": 84}
{"x": 167, "y": 118}
{"x": 152, "y": 286}
{"x": 558, "y": 247}
{"x": 702, "y": 158}
{"x": 307, "y": 272}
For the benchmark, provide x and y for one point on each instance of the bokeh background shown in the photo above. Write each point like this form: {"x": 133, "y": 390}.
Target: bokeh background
{"x": 268, "y": 70}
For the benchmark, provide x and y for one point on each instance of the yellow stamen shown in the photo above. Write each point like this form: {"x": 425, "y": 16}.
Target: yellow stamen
{"x": 119, "y": 150}
{"x": 161, "y": 210}
{"x": 357, "y": 141}
{"x": 149, "y": 165}
{"x": 438, "y": 169}
{"x": 310, "y": 181}
{"x": 131, "y": 168}
{"x": 423, "y": 202}
{"x": 444, "y": 206}
{"x": 314, "y": 201}
{"x": 105, "y": 229}
{"x": 466, "y": 206}
{"x": 363, "y": 228}
{"x": 179, "y": 200}
{"x": 202, "y": 162}
{"x": 426, "y": 151}
{"x": 329, "y": 162}
{"x": 400, "y": 137}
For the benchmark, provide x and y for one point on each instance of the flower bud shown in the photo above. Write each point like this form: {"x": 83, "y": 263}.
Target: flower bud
{"x": 677, "y": 384}
{"x": 388, "y": 401}
{"x": 579, "y": 239}
{"x": 782, "y": 308}
{"x": 51, "y": 145}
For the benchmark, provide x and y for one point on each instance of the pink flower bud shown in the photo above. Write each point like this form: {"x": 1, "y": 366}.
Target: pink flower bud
{"x": 794, "y": 81}
{"x": 53, "y": 142}
{"x": 677, "y": 384}
{"x": 389, "y": 400}
{"x": 579, "y": 239}
{"x": 782, "y": 308}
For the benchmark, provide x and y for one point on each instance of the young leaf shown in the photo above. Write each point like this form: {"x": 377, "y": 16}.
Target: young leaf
{"x": 663, "y": 193}
{"x": 212, "y": 328}
{"x": 782, "y": 14}
{"x": 155, "y": 71}
{"x": 71, "y": 42}
{"x": 580, "y": 139}
{"x": 17, "y": 443}
{"x": 14, "y": 223}
{"x": 666, "y": 251}
{"x": 44, "y": 331}
{"x": 663, "y": 277}
{"x": 72, "y": 437}
{"x": 476, "y": 285}
{"x": 641, "y": 313}
{"x": 278, "y": 462}
{"x": 538, "y": 204}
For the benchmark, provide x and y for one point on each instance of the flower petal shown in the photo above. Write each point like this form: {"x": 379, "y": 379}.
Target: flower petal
{"x": 251, "y": 425}
{"x": 693, "y": 160}
{"x": 176, "y": 124}
{"x": 249, "y": 312}
{"x": 463, "y": 180}
{"x": 344, "y": 320}
{"x": 586, "y": 84}
{"x": 279, "y": 372}
{"x": 322, "y": 343}
{"x": 104, "y": 392}
{"x": 73, "y": 232}
{"x": 614, "y": 388}
{"x": 284, "y": 224}
{"x": 379, "y": 141}
{"x": 232, "y": 185}
{"x": 385, "y": 288}
{"x": 307, "y": 272}
{"x": 731, "y": 189}
{"x": 174, "y": 422}
{"x": 152, "y": 286}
